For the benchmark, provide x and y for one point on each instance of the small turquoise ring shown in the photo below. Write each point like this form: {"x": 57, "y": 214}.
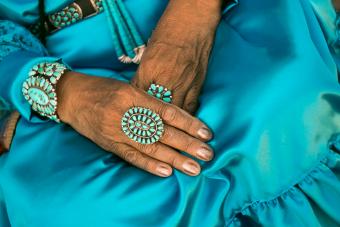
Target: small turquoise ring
{"x": 160, "y": 92}
{"x": 142, "y": 125}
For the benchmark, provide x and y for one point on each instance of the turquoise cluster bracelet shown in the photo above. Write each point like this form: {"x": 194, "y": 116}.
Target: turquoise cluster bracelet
{"x": 40, "y": 88}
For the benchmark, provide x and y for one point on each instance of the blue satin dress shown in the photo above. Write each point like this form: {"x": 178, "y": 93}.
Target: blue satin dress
{"x": 271, "y": 97}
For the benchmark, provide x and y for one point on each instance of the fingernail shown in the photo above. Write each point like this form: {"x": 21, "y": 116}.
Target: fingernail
{"x": 205, "y": 133}
{"x": 191, "y": 168}
{"x": 164, "y": 171}
{"x": 205, "y": 154}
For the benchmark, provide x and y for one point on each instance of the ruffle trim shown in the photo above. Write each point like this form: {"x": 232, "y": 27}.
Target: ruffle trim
{"x": 314, "y": 200}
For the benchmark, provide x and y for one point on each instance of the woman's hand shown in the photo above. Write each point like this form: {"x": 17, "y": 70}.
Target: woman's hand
{"x": 94, "y": 106}
{"x": 178, "y": 52}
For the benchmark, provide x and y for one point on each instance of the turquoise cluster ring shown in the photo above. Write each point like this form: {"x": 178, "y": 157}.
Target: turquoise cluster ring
{"x": 142, "y": 125}
{"x": 160, "y": 92}
{"x": 39, "y": 89}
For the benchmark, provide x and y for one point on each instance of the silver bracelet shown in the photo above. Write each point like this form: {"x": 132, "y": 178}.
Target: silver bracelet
{"x": 40, "y": 88}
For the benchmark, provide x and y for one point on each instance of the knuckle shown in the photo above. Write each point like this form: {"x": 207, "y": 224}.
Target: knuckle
{"x": 188, "y": 124}
{"x": 169, "y": 113}
{"x": 190, "y": 107}
{"x": 130, "y": 156}
{"x": 121, "y": 91}
{"x": 110, "y": 146}
{"x": 188, "y": 144}
{"x": 146, "y": 164}
{"x": 174, "y": 161}
{"x": 151, "y": 149}
{"x": 168, "y": 134}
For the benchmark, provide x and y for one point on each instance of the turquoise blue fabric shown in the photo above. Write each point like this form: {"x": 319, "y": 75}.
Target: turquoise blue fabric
{"x": 271, "y": 97}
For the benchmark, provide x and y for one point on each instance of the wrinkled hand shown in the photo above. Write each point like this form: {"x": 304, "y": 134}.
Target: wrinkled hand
{"x": 94, "y": 106}
{"x": 181, "y": 69}
{"x": 178, "y": 52}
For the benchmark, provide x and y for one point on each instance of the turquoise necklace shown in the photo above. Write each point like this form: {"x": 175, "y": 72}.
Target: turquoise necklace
{"x": 127, "y": 41}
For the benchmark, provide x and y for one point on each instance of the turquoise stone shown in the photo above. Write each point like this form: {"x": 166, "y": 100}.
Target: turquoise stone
{"x": 38, "y": 96}
{"x": 53, "y": 80}
{"x": 41, "y": 70}
{"x": 167, "y": 93}
{"x": 49, "y": 88}
{"x": 168, "y": 100}
{"x": 32, "y": 73}
{"x": 56, "y": 73}
{"x": 53, "y": 102}
{"x": 49, "y": 73}
{"x": 42, "y": 82}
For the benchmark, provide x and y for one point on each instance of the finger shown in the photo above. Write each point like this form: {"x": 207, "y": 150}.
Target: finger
{"x": 168, "y": 155}
{"x": 179, "y": 119}
{"x": 184, "y": 142}
{"x": 142, "y": 161}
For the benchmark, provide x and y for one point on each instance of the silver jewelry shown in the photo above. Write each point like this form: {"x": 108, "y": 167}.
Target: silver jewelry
{"x": 39, "y": 89}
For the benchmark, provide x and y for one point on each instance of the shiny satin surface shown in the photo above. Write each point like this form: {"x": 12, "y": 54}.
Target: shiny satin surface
{"x": 271, "y": 98}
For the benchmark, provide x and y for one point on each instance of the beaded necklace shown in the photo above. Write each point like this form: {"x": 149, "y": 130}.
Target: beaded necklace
{"x": 127, "y": 41}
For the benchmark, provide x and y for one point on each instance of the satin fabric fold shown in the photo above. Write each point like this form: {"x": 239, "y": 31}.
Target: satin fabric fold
{"x": 271, "y": 98}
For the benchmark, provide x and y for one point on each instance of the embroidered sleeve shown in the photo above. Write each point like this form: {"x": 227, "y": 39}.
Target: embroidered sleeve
{"x": 14, "y": 37}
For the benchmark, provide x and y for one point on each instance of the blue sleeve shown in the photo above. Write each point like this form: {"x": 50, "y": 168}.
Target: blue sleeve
{"x": 19, "y": 51}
